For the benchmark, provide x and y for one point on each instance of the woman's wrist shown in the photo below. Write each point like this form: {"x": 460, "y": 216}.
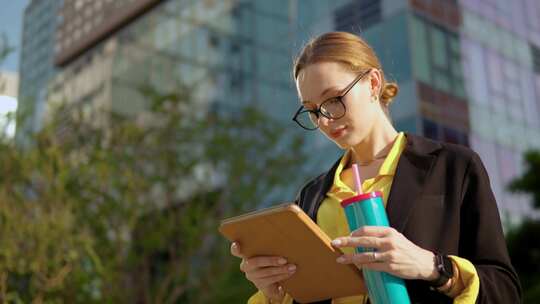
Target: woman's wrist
{"x": 446, "y": 287}
{"x": 429, "y": 271}
{"x": 449, "y": 288}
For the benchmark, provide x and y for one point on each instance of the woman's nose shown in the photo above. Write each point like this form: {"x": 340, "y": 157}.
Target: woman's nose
{"x": 324, "y": 121}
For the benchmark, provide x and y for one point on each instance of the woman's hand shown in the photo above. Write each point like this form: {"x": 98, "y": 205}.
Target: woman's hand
{"x": 265, "y": 272}
{"x": 394, "y": 253}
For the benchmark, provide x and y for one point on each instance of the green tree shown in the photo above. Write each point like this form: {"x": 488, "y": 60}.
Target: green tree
{"x": 530, "y": 181}
{"x": 523, "y": 243}
{"x": 106, "y": 208}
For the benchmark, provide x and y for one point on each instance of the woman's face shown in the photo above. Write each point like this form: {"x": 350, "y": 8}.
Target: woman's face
{"x": 319, "y": 81}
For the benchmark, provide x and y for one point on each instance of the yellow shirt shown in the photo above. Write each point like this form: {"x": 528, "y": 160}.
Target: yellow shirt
{"x": 331, "y": 218}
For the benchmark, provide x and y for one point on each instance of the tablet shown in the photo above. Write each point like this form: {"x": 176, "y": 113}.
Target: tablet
{"x": 287, "y": 231}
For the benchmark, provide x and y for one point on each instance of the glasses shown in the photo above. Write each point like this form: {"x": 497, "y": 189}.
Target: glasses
{"x": 331, "y": 108}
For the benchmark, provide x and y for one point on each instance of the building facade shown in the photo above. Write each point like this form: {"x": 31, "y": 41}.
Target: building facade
{"x": 500, "y": 42}
{"x": 468, "y": 71}
{"x": 227, "y": 53}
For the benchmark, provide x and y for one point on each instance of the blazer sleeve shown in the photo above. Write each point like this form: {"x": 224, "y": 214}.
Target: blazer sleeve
{"x": 482, "y": 241}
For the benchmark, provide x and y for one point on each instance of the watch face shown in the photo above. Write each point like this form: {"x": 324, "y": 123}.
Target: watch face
{"x": 448, "y": 267}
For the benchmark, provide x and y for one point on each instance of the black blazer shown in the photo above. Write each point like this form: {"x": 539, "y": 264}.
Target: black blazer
{"x": 442, "y": 201}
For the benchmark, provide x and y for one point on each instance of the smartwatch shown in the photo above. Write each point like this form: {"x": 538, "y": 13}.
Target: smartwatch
{"x": 445, "y": 269}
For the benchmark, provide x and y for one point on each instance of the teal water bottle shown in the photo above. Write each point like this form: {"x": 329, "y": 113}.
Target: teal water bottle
{"x": 368, "y": 210}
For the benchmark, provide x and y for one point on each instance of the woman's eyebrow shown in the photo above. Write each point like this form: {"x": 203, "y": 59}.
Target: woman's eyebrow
{"x": 330, "y": 89}
{"x": 326, "y": 91}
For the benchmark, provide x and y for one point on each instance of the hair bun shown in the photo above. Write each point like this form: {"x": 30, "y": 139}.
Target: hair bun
{"x": 388, "y": 93}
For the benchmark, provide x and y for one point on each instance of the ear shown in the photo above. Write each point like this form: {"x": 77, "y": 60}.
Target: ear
{"x": 375, "y": 79}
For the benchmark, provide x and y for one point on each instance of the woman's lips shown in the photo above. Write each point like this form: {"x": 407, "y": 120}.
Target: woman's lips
{"x": 337, "y": 132}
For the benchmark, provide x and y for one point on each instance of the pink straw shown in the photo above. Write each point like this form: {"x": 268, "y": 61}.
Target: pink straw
{"x": 357, "y": 180}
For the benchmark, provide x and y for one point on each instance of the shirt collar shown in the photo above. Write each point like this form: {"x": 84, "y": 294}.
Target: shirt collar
{"x": 391, "y": 161}
{"x": 388, "y": 167}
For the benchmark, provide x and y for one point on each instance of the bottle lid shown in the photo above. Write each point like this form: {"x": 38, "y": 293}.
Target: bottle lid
{"x": 360, "y": 197}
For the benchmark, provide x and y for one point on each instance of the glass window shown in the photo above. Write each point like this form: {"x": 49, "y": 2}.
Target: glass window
{"x": 393, "y": 50}
{"x": 454, "y": 44}
{"x": 441, "y": 80}
{"x": 523, "y": 53}
{"x": 358, "y": 15}
{"x": 533, "y": 17}
{"x": 437, "y": 57}
{"x": 527, "y": 92}
{"x": 494, "y": 70}
{"x": 459, "y": 89}
{"x": 504, "y": 135}
{"x": 537, "y": 91}
{"x": 486, "y": 151}
{"x": 480, "y": 122}
{"x": 420, "y": 50}
{"x": 535, "y": 52}
{"x": 271, "y": 32}
{"x": 507, "y": 164}
{"x": 496, "y": 81}
{"x": 476, "y": 81}
{"x": 273, "y": 7}
{"x": 454, "y": 136}
{"x": 506, "y": 42}
{"x": 512, "y": 90}
{"x": 430, "y": 129}
{"x": 438, "y": 48}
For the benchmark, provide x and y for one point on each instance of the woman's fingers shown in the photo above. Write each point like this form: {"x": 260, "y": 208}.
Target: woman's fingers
{"x": 265, "y": 282}
{"x": 377, "y": 231}
{"x": 364, "y": 258}
{"x": 261, "y": 261}
{"x": 235, "y": 250}
{"x": 265, "y": 271}
{"x": 362, "y": 241}
{"x": 368, "y": 237}
{"x": 270, "y": 271}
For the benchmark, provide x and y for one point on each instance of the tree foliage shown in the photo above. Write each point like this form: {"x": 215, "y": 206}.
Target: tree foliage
{"x": 109, "y": 208}
{"x": 529, "y": 182}
{"x": 523, "y": 243}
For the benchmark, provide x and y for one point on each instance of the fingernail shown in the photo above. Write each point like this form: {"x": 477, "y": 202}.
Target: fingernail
{"x": 292, "y": 268}
{"x": 336, "y": 242}
{"x": 340, "y": 260}
{"x": 282, "y": 261}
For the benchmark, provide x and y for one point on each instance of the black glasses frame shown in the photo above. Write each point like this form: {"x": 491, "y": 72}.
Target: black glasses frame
{"x": 318, "y": 111}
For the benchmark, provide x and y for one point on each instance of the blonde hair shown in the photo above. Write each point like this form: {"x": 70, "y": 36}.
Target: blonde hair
{"x": 349, "y": 50}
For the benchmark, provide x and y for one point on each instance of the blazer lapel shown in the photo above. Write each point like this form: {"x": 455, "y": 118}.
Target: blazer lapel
{"x": 408, "y": 184}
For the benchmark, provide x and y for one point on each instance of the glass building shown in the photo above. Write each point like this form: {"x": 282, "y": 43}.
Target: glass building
{"x": 468, "y": 71}
{"x": 500, "y": 42}
{"x": 36, "y": 67}
{"x": 230, "y": 53}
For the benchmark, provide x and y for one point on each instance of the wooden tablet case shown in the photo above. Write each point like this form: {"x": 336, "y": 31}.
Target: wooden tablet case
{"x": 285, "y": 230}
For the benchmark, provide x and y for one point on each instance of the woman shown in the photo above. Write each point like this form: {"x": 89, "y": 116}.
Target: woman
{"x": 446, "y": 239}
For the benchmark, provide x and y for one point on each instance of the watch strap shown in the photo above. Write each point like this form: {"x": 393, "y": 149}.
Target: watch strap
{"x": 445, "y": 269}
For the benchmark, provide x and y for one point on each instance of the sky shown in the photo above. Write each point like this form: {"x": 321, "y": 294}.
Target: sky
{"x": 11, "y": 15}
{"x": 7, "y": 104}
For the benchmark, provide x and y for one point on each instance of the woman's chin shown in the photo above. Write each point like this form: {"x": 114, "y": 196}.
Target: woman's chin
{"x": 343, "y": 143}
